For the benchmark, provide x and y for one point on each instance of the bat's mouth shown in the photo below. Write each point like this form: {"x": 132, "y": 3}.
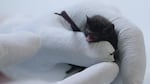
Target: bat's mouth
{"x": 91, "y": 38}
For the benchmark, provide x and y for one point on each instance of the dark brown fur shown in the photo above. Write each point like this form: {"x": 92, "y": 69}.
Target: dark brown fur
{"x": 100, "y": 29}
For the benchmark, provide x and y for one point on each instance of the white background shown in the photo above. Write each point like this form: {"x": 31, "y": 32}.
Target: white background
{"x": 138, "y": 11}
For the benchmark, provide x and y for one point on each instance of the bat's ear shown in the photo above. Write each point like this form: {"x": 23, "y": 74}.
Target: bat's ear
{"x": 87, "y": 19}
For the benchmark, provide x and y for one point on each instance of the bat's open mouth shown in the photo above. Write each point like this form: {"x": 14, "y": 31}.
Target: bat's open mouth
{"x": 91, "y": 38}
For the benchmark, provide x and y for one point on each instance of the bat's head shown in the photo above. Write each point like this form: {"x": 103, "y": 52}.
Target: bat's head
{"x": 98, "y": 29}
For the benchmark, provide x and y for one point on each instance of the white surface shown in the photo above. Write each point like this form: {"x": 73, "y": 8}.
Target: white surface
{"x": 24, "y": 43}
{"x": 136, "y": 10}
{"x": 107, "y": 69}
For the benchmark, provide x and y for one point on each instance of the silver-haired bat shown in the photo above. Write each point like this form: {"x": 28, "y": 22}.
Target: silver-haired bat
{"x": 97, "y": 28}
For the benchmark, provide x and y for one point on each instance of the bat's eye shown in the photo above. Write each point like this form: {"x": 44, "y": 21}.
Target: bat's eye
{"x": 87, "y": 32}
